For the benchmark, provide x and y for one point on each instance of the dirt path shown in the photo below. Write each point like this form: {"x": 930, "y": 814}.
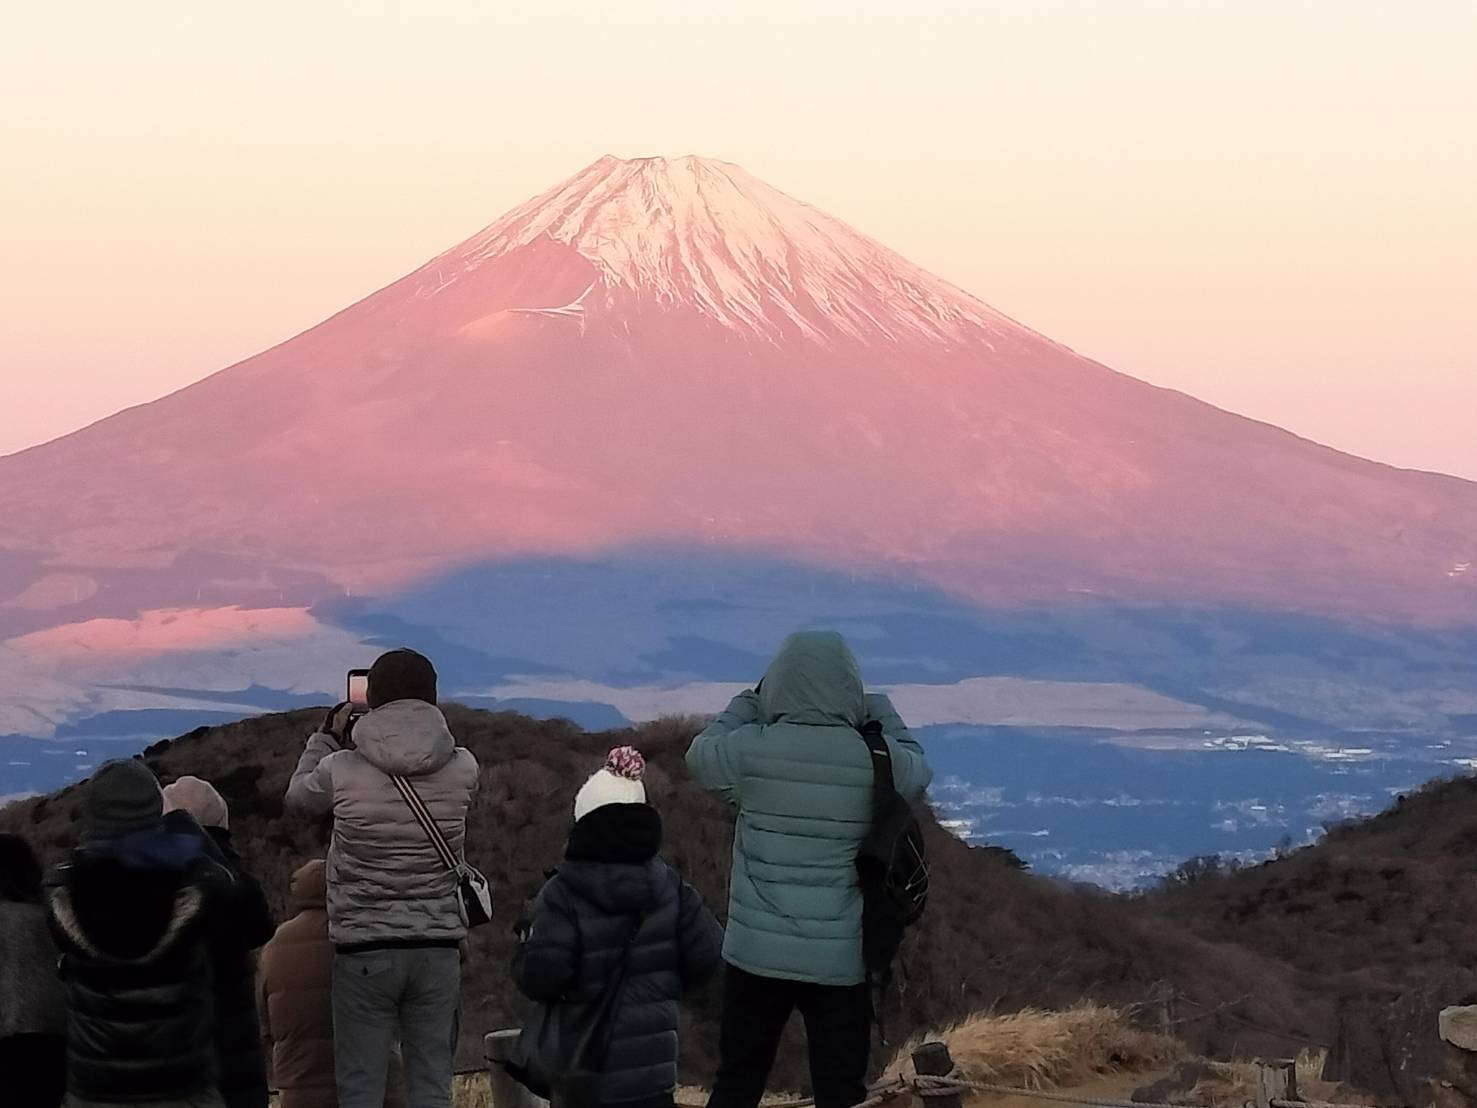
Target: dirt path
{"x": 1111, "y": 1087}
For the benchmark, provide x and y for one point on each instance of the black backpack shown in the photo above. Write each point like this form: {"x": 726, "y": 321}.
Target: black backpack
{"x": 891, "y": 863}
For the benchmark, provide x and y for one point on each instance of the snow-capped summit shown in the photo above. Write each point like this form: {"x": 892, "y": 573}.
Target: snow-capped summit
{"x": 706, "y": 234}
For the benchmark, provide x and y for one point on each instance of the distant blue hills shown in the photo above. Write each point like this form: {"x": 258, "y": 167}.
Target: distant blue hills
{"x": 676, "y": 616}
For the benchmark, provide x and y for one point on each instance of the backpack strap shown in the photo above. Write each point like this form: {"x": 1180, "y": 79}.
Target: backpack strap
{"x": 884, "y": 785}
{"x": 884, "y": 788}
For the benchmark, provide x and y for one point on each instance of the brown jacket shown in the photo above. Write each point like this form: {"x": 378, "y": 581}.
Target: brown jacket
{"x": 295, "y": 999}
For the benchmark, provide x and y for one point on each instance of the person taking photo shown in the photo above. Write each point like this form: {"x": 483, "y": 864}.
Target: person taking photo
{"x": 394, "y": 913}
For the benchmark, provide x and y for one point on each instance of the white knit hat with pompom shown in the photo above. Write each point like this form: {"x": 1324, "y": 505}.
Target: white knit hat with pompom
{"x": 616, "y": 782}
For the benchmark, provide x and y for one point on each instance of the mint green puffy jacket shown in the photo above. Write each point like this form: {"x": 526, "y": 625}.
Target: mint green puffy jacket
{"x": 790, "y": 759}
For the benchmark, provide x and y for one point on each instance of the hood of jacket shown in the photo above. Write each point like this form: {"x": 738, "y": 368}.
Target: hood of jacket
{"x": 616, "y": 834}
{"x": 308, "y": 890}
{"x": 625, "y": 889}
{"x": 185, "y": 910}
{"x": 125, "y": 894}
{"x": 815, "y": 680}
{"x": 611, "y": 859}
{"x": 408, "y": 738}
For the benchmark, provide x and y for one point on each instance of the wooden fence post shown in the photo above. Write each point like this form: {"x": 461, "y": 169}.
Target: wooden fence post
{"x": 1276, "y": 1082}
{"x": 506, "y": 1093}
{"x": 933, "y": 1060}
{"x": 1164, "y": 998}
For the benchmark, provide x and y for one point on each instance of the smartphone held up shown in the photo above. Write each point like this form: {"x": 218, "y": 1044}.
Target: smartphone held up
{"x": 356, "y": 691}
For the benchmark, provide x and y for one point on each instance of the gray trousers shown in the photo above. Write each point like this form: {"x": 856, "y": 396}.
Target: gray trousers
{"x": 411, "y": 996}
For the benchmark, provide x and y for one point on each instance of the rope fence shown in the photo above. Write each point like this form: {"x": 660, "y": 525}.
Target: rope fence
{"x": 1063, "y": 1098}
{"x": 929, "y": 1087}
{"x": 1223, "y": 1012}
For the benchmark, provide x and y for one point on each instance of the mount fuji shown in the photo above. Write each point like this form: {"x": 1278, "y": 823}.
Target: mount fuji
{"x": 612, "y": 446}
{"x": 672, "y": 350}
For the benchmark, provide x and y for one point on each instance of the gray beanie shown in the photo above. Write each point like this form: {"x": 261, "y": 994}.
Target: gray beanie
{"x": 123, "y": 796}
{"x": 200, "y": 799}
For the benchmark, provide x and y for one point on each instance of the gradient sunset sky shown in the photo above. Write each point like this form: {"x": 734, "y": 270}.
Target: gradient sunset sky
{"x": 1271, "y": 205}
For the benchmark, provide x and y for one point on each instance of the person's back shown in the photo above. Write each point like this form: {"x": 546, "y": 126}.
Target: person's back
{"x": 614, "y": 902}
{"x": 394, "y": 914}
{"x": 243, "y": 1076}
{"x": 295, "y": 1000}
{"x": 295, "y": 997}
{"x": 32, "y": 1010}
{"x": 385, "y": 882}
{"x": 790, "y": 758}
{"x": 132, "y": 913}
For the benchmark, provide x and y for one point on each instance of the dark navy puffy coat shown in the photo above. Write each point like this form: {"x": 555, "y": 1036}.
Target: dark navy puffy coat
{"x": 576, "y": 929}
{"x": 134, "y": 922}
{"x": 238, "y": 1033}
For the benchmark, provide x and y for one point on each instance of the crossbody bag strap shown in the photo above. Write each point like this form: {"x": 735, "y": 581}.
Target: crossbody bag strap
{"x": 428, "y": 824}
{"x": 631, "y": 939}
{"x": 611, "y": 994}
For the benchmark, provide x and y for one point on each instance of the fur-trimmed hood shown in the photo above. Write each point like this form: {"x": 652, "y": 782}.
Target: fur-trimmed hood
{"x": 189, "y": 905}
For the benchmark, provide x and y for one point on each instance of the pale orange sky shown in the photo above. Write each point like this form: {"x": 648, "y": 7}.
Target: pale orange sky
{"x": 1269, "y": 205}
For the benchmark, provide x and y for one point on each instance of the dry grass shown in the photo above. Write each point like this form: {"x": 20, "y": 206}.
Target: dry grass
{"x": 1236, "y": 1083}
{"x": 468, "y": 1090}
{"x": 471, "y": 1090}
{"x": 688, "y": 1096}
{"x": 474, "y": 1090}
{"x": 1033, "y": 1049}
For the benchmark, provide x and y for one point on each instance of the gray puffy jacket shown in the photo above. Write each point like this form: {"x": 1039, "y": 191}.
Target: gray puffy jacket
{"x": 385, "y": 883}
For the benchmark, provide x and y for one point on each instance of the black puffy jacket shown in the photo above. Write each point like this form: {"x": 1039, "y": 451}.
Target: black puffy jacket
{"x": 580, "y": 923}
{"x": 248, "y": 926}
{"x": 133, "y": 921}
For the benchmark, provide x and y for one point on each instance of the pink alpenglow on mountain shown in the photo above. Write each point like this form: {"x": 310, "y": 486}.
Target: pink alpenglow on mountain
{"x": 672, "y": 351}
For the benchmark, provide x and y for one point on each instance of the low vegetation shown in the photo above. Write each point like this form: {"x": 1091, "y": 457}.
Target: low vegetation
{"x": 1374, "y": 923}
{"x": 1372, "y": 902}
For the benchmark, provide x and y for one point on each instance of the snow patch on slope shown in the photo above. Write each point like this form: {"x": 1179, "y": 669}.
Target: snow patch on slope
{"x": 708, "y": 235}
{"x": 54, "y": 676}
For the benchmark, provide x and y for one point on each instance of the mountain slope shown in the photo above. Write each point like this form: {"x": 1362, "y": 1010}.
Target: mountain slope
{"x": 1377, "y": 917}
{"x": 993, "y": 938}
{"x": 1376, "y": 900}
{"x": 666, "y": 350}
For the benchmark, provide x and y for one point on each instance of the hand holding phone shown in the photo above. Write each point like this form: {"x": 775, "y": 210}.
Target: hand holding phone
{"x": 339, "y": 722}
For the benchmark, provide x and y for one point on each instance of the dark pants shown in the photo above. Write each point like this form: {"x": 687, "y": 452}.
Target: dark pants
{"x": 33, "y": 1070}
{"x": 838, "y": 1033}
